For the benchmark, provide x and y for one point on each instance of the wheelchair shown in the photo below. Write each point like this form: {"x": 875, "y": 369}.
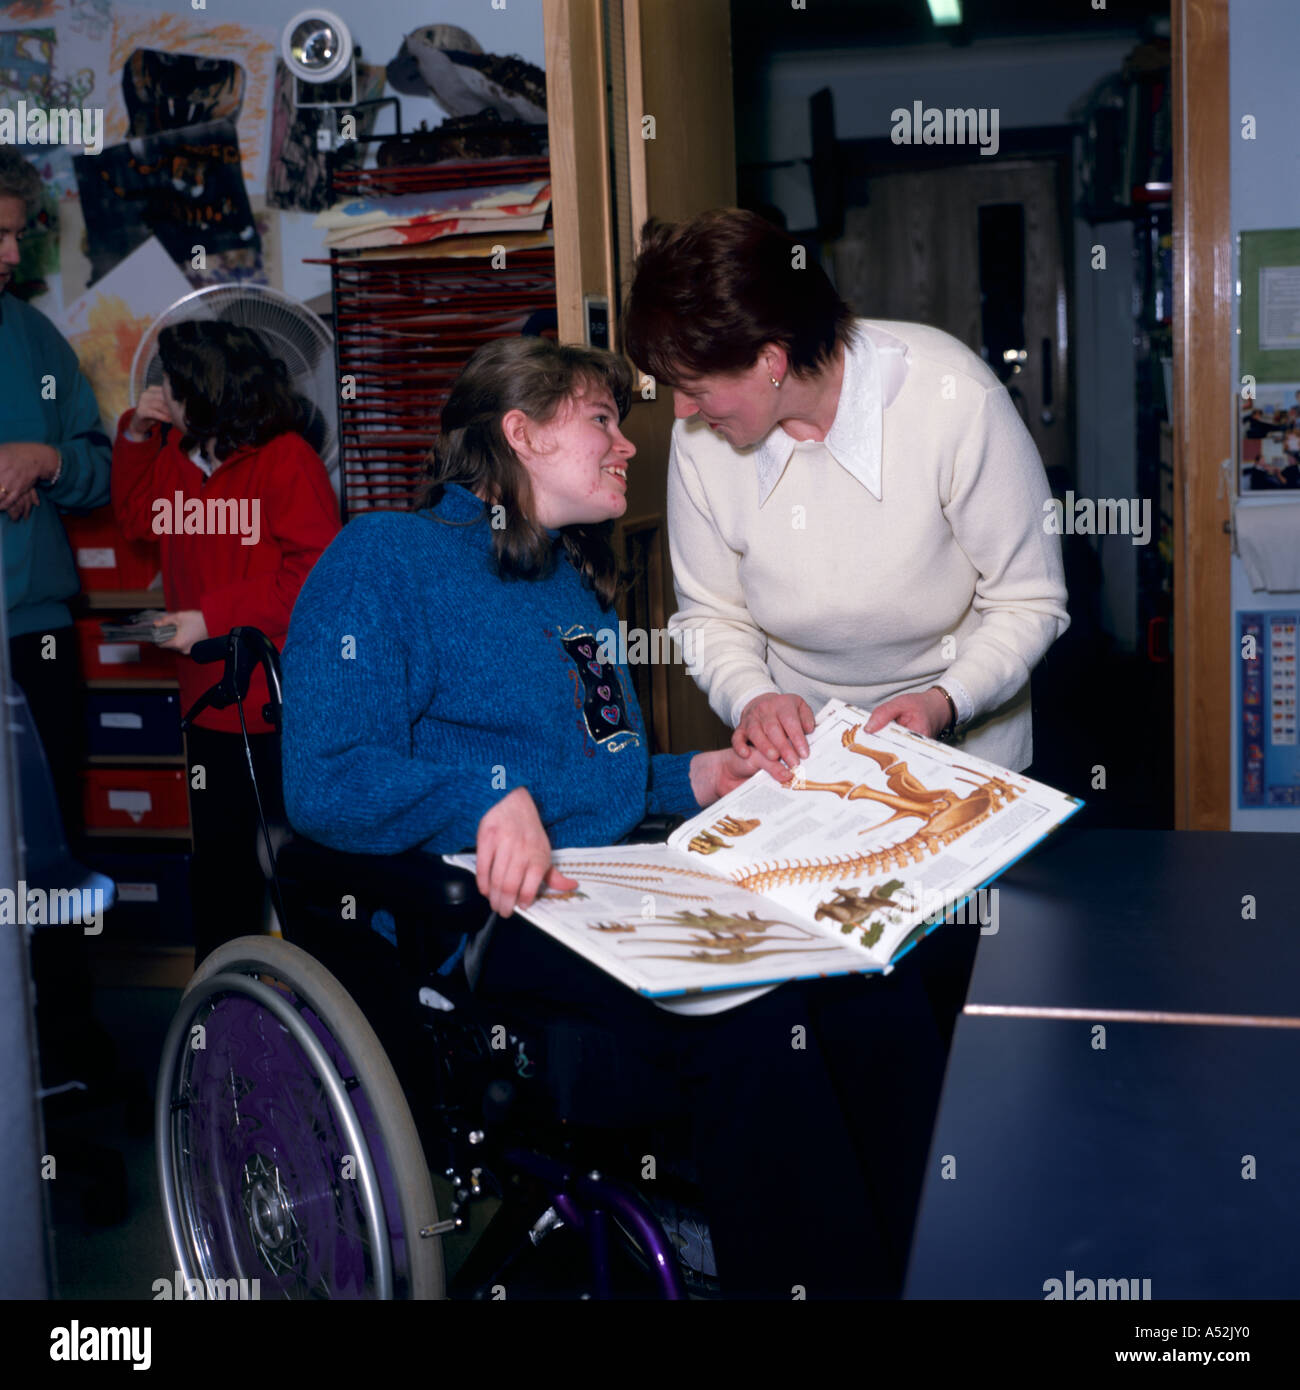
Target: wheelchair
{"x": 295, "y": 1148}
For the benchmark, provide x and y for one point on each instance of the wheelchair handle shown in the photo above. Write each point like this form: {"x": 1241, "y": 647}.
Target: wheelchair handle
{"x": 242, "y": 649}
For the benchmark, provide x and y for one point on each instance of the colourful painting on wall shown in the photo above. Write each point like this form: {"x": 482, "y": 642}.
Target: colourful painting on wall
{"x": 200, "y": 33}
{"x": 183, "y": 186}
{"x": 64, "y": 66}
{"x": 106, "y": 324}
{"x": 26, "y": 11}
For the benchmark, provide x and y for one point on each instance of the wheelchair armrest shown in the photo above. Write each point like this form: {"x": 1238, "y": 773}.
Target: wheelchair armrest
{"x": 413, "y": 886}
{"x": 652, "y": 830}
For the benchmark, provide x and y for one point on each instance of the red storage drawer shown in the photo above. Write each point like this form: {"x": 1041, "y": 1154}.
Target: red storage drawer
{"x": 120, "y": 661}
{"x": 134, "y": 798}
{"x": 106, "y": 559}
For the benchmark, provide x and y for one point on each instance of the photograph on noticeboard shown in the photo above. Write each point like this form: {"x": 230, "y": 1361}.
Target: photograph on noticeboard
{"x": 1268, "y": 434}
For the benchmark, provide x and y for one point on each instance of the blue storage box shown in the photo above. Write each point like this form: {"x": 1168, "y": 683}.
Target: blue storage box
{"x": 133, "y": 723}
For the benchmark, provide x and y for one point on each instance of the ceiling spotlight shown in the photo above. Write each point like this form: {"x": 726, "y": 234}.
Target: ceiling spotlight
{"x": 945, "y": 11}
{"x": 317, "y": 49}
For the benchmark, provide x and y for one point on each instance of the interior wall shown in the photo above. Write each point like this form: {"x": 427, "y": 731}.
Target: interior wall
{"x": 1263, "y": 39}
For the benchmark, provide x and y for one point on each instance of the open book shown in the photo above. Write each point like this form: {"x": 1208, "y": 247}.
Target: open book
{"x": 876, "y": 840}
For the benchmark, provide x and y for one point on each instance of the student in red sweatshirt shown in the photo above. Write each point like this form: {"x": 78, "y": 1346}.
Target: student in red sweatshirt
{"x": 212, "y": 465}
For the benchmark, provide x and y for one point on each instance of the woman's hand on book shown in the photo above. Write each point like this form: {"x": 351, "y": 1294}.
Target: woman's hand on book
{"x": 773, "y": 728}
{"x": 514, "y": 855}
{"x": 925, "y": 713}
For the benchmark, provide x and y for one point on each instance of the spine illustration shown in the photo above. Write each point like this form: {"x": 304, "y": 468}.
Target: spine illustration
{"x": 945, "y": 816}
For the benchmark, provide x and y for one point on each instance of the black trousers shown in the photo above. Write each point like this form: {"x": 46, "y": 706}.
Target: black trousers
{"x": 227, "y": 888}
{"x": 809, "y": 1109}
{"x": 47, "y": 667}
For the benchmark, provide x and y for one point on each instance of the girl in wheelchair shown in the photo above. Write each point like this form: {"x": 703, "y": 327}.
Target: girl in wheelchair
{"x": 435, "y": 685}
{"x": 211, "y": 464}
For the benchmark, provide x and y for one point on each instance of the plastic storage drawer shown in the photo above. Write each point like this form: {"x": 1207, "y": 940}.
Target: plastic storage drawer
{"x": 120, "y": 661}
{"x": 134, "y": 798}
{"x": 133, "y": 723}
{"x": 106, "y": 559}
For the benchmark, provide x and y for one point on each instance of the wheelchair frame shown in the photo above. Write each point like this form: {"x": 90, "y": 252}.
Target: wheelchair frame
{"x": 319, "y": 1184}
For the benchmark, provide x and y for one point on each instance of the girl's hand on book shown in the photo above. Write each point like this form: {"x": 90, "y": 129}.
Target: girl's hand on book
{"x": 723, "y": 770}
{"x": 150, "y": 410}
{"x": 925, "y": 713}
{"x": 772, "y": 728}
{"x": 190, "y": 628}
{"x": 514, "y": 855}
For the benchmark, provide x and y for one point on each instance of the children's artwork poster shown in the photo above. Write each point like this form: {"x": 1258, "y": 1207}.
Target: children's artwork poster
{"x": 169, "y": 91}
{"x": 55, "y": 55}
{"x": 1268, "y": 437}
{"x": 296, "y": 176}
{"x": 19, "y": 14}
{"x": 106, "y": 324}
{"x": 185, "y": 187}
{"x": 26, "y": 80}
{"x": 201, "y": 34}
{"x": 27, "y": 64}
{"x": 1269, "y": 747}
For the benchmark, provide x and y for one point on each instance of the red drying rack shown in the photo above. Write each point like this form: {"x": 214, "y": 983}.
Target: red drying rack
{"x": 404, "y": 327}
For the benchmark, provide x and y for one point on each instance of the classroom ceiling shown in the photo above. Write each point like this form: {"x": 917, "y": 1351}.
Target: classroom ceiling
{"x": 776, "y": 26}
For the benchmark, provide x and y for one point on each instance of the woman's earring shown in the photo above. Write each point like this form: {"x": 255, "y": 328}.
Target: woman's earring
{"x": 775, "y": 382}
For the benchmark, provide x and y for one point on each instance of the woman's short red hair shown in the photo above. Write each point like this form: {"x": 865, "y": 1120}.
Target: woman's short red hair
{"x": 709, "y": 293}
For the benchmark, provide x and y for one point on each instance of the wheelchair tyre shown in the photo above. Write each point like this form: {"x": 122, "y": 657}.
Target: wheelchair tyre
{"x": 286, "y": 1149}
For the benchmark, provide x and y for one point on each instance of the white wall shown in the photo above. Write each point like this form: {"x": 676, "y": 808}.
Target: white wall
{"x": 378, "y": 27}
{"x": 1264, "y": 37}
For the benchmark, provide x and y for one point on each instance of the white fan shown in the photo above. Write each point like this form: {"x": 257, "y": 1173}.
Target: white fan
{"x": 291, "y": 331}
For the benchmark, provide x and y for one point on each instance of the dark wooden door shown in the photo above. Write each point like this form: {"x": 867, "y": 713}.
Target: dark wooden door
{"x": 978, "y": 250}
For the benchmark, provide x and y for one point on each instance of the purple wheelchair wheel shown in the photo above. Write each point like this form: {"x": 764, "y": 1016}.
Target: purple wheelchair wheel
{"x": 286, "y": 1150}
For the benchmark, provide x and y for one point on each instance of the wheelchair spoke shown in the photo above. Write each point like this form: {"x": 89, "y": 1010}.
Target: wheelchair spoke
{"x": 271, "y": 1193}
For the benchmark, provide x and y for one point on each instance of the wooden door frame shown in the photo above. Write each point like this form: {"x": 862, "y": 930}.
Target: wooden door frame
{"x": 581, "y": 200}
{"x": 606, "y": 62}
{"x": 1203, "y": 290}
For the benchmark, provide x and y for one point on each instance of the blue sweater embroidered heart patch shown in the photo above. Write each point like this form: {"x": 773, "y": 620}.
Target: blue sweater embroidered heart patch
{"x": 603, "y": 706}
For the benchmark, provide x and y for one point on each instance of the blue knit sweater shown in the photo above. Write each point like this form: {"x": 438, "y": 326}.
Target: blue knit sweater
{"x": 420, "y": 688}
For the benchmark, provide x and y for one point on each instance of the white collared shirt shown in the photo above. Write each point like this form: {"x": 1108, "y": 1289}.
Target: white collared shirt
{"x": 875, "y": 368}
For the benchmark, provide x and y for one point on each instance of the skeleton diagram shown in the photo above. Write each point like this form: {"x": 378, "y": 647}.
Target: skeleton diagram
{"x": 944, "y": 815}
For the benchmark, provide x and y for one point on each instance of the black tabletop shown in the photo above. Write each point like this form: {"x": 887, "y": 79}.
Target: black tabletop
{"x": 1149, "y": 920}
{"x": 1072, "y": 1162}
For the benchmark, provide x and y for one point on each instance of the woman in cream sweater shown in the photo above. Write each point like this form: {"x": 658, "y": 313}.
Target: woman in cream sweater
{"x": 855, "y": 508}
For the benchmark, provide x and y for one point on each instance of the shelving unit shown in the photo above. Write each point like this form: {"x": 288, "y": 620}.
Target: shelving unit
{"x": 148, "y": 932}
{"x": 405, "y": 325}
{"x": 1125, "y": 176}
{"x": 1154, "y": 344}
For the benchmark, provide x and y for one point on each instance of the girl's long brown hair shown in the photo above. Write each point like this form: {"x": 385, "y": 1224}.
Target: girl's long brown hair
{"x": 537, "y": 376}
